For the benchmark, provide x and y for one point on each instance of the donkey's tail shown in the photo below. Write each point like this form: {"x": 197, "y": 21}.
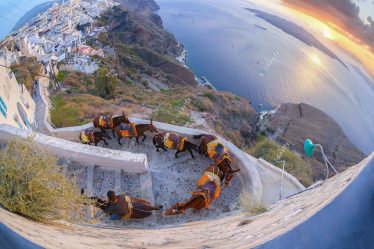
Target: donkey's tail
{"x": 198, "y": 136}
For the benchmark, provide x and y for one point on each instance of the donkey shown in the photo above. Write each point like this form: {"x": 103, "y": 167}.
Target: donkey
{"x": 214, "y": 149}
{"x": 90, "y": 136}
{"x": 208, "y": 189}
{"x": 173, "y": 141}
{"x": 104, "y": 122}
{"x": 134, "y": 130}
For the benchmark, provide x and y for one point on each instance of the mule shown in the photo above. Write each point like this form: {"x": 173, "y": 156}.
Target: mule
{"x": 137, "y": 208}
{"x": 110, "y": 122}
{"x": 173, "y": 141}
{"x": 90, "y": 136}
{"x": 214, "y": 149}
{"x": 134, "y": 130}
{"x": 208, "y": 189}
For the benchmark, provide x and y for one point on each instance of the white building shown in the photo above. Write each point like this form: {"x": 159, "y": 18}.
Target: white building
{"x": 17, "y": 108}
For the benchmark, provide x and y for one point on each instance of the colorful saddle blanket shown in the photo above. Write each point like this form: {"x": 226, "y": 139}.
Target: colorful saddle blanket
{"x": 173, "y": 141}
{"x": 105, "y": 121}
{"x": 209, "y": 186}
{"x": 87, "y": 136}
{"x": 217, "y": 151}
{"x": 128, "y": 130}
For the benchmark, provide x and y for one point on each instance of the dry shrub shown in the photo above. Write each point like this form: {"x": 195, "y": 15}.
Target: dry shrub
{"x": 33, "y": 185}
{"x": 249, "y": 206}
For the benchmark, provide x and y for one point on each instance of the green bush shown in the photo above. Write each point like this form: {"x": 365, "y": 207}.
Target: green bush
{"x": 106, "y": 83}
{"x": 295, "y": 165}
{"x": 31, "y": 184}
{"x": 61, "y": 76}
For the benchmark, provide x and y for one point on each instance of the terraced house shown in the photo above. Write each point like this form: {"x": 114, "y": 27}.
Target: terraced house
{"x": 17, "y": 107}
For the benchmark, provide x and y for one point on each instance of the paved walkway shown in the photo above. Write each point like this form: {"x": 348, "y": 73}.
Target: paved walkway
{"x": 40, "y": 110}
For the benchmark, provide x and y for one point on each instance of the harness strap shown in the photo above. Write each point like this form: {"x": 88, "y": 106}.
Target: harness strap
{"x": 181, "y": 143}
{"x": 223, "y": 158}
{"x": 134, "y": 129}
{"x": 129, "y": 208}
{"x": 111, "y": 124}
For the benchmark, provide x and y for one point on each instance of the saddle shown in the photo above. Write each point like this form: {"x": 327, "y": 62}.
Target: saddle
{"x": 128, "y": 130}
{"x": 173, "y": 141}
{"x": 217, "y": 151}
{"x": 87, "y": 136}
{"x": 209, "y": 186}
{"x": 106, "y": 121}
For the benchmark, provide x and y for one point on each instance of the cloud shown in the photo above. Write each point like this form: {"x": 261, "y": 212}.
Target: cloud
{"x": 343, "y": 13}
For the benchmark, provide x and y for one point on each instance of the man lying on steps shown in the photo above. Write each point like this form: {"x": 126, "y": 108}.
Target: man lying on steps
{"x": 125, "y": 207}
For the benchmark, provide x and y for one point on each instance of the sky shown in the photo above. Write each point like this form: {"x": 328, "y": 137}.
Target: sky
{"x": 347, "y": 23}
{"x": 13, "y": 10}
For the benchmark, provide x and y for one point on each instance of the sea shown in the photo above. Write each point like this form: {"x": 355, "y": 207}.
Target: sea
{"x": 12, "y": 11}
{"x": 244, "y": 54}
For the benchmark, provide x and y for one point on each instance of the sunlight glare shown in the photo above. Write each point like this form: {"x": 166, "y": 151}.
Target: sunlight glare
{"x": 315, "y": 58}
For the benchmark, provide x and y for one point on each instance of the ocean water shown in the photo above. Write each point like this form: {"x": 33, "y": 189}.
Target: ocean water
{"x": 270, "y": 67}
{"x": 13, "y": 10}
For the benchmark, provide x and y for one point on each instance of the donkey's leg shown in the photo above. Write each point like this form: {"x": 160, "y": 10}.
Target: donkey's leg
{"x": 191, "y": 153}
{"x": 119, "y": 140}
{"x": 105, "y": 142}
{"x": 137, "y": 139}
{"x": 163, "y": 147}
{"x": 144, "y": 137}
{"x": 176, "y": 153}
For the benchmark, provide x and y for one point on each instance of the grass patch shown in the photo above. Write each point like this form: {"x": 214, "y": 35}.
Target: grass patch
{"x": 171, "y": 115}
{"x": 33, "y": 185}
{"x": 210, "y": 96}
{"x": 249, "y": 206}
{"x": 63, "y": 115}
{"x": 295, "y": 165}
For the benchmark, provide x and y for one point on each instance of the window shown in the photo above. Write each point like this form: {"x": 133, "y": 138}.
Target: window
{"x": 23, "y": 115}
{"x": 3, "y": 108}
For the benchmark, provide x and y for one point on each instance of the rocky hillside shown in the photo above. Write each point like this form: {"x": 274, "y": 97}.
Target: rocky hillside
{"x": 293, "y": 123}
{"x": 145, "y": 39}
{"x": 145, "y": 7}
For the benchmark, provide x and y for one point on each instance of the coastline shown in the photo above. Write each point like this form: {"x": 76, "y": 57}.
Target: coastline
{"x": 32, "y": 13}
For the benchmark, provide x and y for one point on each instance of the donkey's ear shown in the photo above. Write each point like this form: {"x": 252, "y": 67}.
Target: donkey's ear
{"x": 123, "y": 114}
{"x": 235, "y": 171}
{"x": 151, "y": 120}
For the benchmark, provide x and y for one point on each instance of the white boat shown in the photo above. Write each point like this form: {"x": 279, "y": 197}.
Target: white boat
{"x": 203, "y": 81}
{"x": 261, "y": 27}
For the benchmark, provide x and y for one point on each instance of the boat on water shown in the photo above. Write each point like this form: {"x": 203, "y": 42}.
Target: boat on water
{"x": 205, "y": 82}
{"x": 261, "y": 27}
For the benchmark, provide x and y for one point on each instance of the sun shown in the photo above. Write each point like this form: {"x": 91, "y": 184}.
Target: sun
{"x": 327, "y": 33}
{"x": 315, "y": 59}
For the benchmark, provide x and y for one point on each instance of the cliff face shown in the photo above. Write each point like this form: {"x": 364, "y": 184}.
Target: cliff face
{"x": 144, "y": 7}
{"x": 301, "y": 121}
{"x": 142, "y": 30}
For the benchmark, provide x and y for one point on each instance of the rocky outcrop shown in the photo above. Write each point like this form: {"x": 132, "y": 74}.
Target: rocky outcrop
{"x": 293, "y": 123}
{"x": 145, "y": 34}
{"x": 144, "y": 7}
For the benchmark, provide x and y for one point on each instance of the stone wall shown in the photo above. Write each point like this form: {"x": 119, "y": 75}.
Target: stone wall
{"x": 112, "y": 159}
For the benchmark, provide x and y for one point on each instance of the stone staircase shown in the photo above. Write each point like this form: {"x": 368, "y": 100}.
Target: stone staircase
{"x": 39, "y": 113}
